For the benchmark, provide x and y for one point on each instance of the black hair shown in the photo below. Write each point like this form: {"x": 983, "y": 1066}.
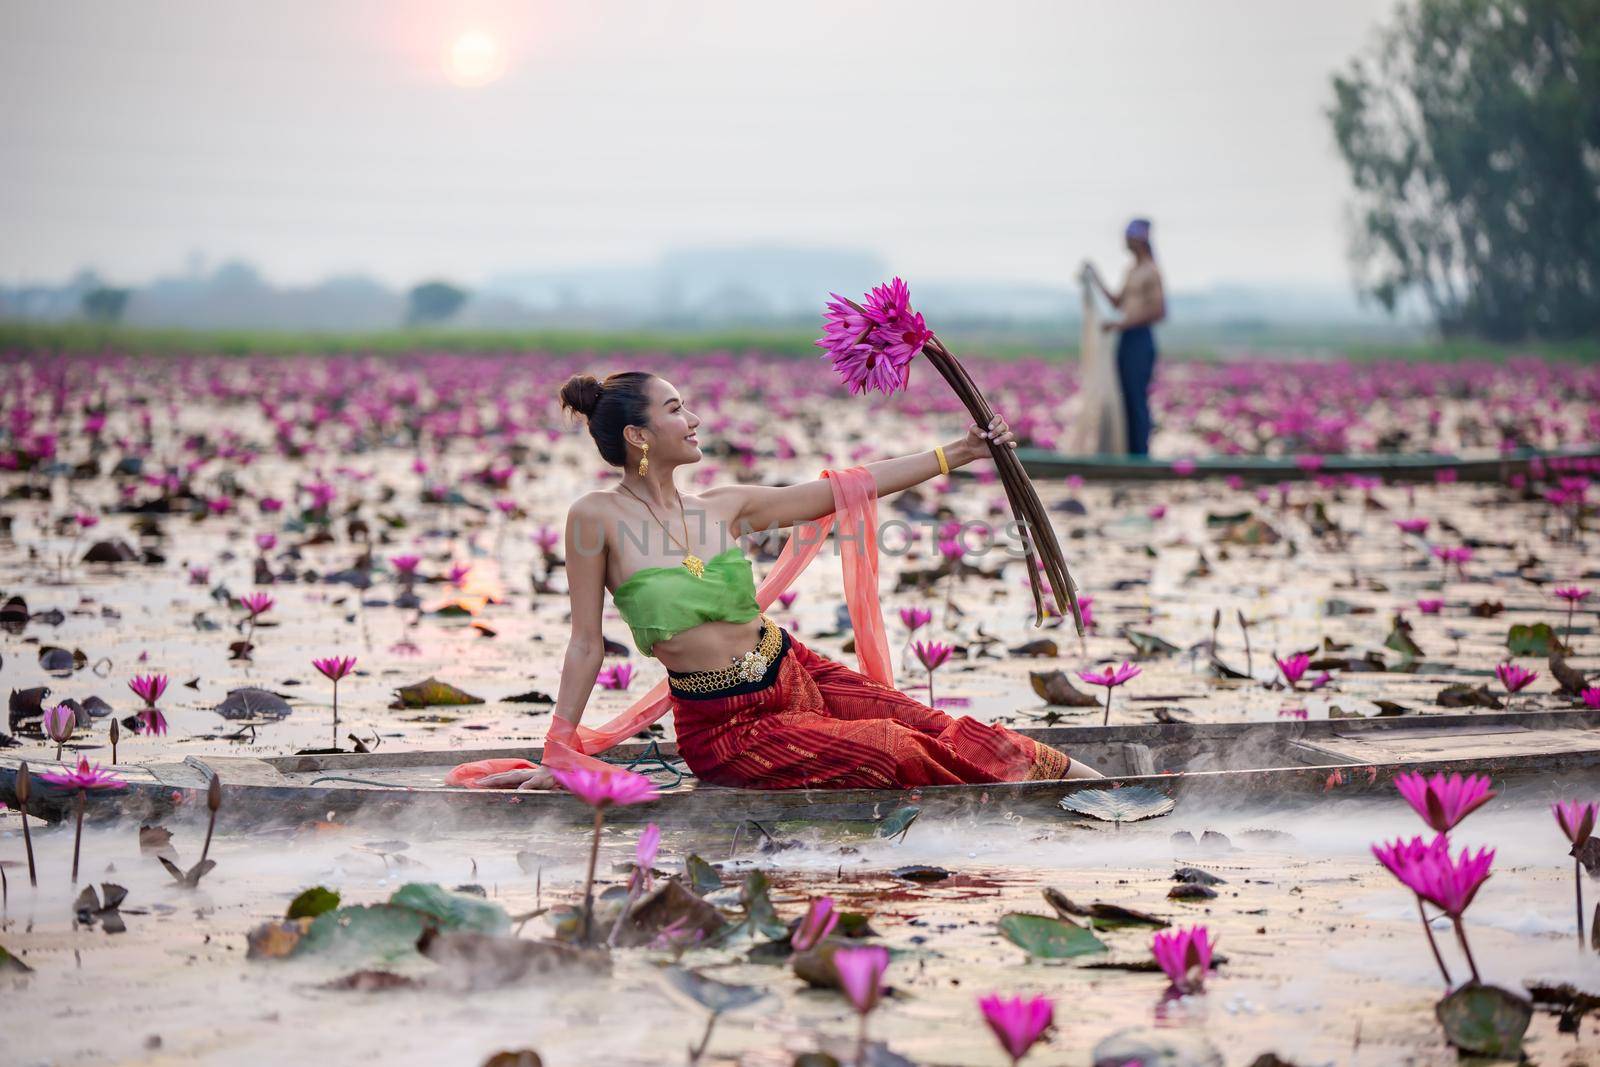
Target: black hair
{"x": 609, "y": 407}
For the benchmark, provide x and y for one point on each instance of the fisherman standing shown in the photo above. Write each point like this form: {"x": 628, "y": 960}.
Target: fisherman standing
{"x": 1143, "y": 303}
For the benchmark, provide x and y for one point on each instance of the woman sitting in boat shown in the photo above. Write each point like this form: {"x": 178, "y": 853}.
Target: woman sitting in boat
{"x": 753, "y": 706}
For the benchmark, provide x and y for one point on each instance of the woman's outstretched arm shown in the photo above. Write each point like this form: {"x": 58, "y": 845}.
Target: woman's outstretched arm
{"x": 765, "y": 507}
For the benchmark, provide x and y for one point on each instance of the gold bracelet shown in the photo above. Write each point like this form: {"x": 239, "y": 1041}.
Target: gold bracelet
{"x": 938, "y": 453}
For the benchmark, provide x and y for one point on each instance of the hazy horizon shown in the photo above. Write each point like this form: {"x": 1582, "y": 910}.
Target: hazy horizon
{"x": 353, "y": 138}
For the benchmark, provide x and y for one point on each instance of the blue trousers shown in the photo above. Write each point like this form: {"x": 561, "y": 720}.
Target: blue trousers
{"x": 1136, "y": 364}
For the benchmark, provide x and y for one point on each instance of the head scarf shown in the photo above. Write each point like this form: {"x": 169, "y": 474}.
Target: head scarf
{"x": 1139, "y": 230}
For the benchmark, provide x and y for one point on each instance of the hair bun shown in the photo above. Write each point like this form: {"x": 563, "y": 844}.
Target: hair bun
{"x": 582, "y": 394}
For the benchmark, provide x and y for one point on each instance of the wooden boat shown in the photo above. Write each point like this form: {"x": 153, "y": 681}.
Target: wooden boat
{"x": 1406, "y": 467}
{"x": 1229, "y": 763}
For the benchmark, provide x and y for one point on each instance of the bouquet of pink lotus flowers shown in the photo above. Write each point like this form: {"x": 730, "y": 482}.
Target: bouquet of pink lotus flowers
{"x": 872, "y": 344}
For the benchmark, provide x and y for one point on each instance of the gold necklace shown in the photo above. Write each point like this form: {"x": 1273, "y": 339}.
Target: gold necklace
{"x": 691, "y": 562}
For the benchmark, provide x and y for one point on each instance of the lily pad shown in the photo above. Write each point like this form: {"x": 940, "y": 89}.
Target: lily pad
{"x": 313, "y": 902}
{"x": 703, "y": 878}
{"x": 381, "y": 930}
{"x": 898, "y": 822}
{"x": 1057, "y": 690}
{"x": 430, "y": 692}
{"x": 1461, "y": 695}
{"x": 452, "y": 911}
{"x": 1048, "y": 939}
{"x": 1535, "y": 639}
{"x": 252, "y": 703}
{"x": 1130, "y": 804}
{"x": 1485, "y": 1020}
{"x": 716, "y": 997}
{"x": 1149, "y": 646}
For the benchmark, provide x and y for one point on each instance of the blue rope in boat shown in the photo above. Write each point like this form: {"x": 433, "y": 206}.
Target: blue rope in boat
{"x": 652, "y": 758}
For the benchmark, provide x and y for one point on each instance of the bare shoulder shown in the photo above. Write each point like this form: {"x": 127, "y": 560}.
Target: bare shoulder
{"x": 593, "y": 507}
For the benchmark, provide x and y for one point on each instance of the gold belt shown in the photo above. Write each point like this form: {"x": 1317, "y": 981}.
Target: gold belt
{"x": 751, "y": 667}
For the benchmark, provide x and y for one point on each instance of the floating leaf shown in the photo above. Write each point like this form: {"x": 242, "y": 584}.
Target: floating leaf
{"x": 276, "y": 940}
{"x": 1057, "y": 690}
{"x": 1149, "y": 646}
{"x": 1101, "y": 916}
{"x": 1461, "y": 695}
{"x": 1485, "y": 1020}
{"x": 469, "y": 960}
{"x": 430, "y": 692}
{"x": 921, "y": 872}
{"x": 252, "y": 703}
{"x": 1401, "y": 641}
{"x": 760, "y": 917}
{"x": 1042, "y": 647}
{"x": 716, "y": 997}
{"x": 1197, "y": 876}
{"x": 522, "y": 1057}
{"x": 1535, "y": 639}
{"x": 703, "y": 878}
{"x": 1129, "y": 804}
{"x": 898, "y": 822}
{"x": 9, "y": 964}
{"x": 313, "y": 902}
{"x": 452, "y": 911}
{"x": 371, "y": 982}
{"x": 382, "y": 930}
{"x": 1048, "y": 939}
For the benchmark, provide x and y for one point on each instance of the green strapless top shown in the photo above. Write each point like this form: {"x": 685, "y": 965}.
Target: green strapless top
{"x": 658, "y": 602}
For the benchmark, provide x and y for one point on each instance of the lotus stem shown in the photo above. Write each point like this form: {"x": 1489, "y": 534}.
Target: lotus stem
{"x": 1577, "y": 887}
{"x": 930, "y": 689}
{"x": 23, "y": 790}
{"x": 77, "y": 837}
{"x": 1461, "y": 936}
{"x": 1434, "y": 945}
{"x": 1107, "y": 720}
{"x": 1249, "y": 661}
{"x": 861, "y": 1041}
{"x": 336, "y": 713}
{"x": 588, "y": 882}
{"x": 213, "y": 801}
{"x": 705, "y": 1039}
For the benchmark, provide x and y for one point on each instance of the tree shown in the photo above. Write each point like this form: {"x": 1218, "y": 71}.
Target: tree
{"x": 1472, "y": 134}
{"x": 104, "y": 304}
{"x": 434, "y": 302}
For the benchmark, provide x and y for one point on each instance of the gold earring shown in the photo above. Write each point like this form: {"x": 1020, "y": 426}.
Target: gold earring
{"x": 644, "y": 458}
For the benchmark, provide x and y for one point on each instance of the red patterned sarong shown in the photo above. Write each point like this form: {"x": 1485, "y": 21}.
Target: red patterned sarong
{"x": 820, "y": 724}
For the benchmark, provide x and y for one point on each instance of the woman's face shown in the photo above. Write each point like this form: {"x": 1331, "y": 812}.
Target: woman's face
{"x": 672, "y": 425}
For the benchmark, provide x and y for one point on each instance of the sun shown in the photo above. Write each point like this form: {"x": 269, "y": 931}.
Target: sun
{"x": 475, "y": 59}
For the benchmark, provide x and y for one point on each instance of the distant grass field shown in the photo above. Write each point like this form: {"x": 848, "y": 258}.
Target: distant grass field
{"x": 1310, "y": 342}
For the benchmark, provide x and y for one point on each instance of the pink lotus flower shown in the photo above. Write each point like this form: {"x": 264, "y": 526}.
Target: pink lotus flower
{"x": 85, "y": 520}
{"x": 199, "y": 575}
{"x": 149, "y": 687}
{"x": 860, "y": 973}
{"x": 602, "y": 789}
{"x": 1184, "y": 467}
{"x": 59, "y": 724}
{"x": 1449, "y": 883}
{"x": 1292, "y": 713}
{"x": 1157, "y": 513}
{"x": 820, "y": 920}
{"x": 872, "y": 344}
{"x": 266, "y": 541}
{"x": 1400, "y": 855}
{"x": 1086, "y": 607}
{"x": 1591, "y": 698}
{"x": 915, "y": 618}
{"x": 1515, "y": 678}
{"x": 1417, "y": 527}
{"x": 1576, "y": 818}
{"x": 334, "y": 668}
{"x": 406, "y": 565}
{"x": 257, "y": 603}
{"x": 1572, "y": 594}
{"x": 1111, "y": 677}
{"x": 269, "y": 505}
{"x": 458, "y": 573}
{"x": 932, "y": 654}
{"x": 1429, "y": 607}
{"x": 85, "y": 778}
{"x": 616, "y": 677}
{"x": 1016, "y": 1022}
{"x": 547, "y": 538}
{"x": 1443, "y": 802}
{"x": 1185, "y": 956}
{"x": 1293, "y": 668}
{"x": 786, "y": 598}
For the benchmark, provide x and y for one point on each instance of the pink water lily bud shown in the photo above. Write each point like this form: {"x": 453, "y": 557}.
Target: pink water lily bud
{"x": 59, "y": 723}
{"x": 1576, "y": 819}
{"x": 406, "y": 565}
{"x": 1018, "y": 1023}
{"x": 820, "y": 920}
{"x": 1293, "y": 668}
{"x": 1430, "y": 606}
{"x": 644, "y": 853}
{"x": 932, "y": 654}
{"x": 860, "y": 973}
{"x": 915, "y": 618}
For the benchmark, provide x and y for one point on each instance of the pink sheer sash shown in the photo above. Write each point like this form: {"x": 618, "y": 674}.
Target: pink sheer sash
{"x": 855, "y": 502}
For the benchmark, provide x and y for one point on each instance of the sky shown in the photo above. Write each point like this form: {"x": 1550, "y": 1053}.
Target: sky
{"x": 1002, "y": 141}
